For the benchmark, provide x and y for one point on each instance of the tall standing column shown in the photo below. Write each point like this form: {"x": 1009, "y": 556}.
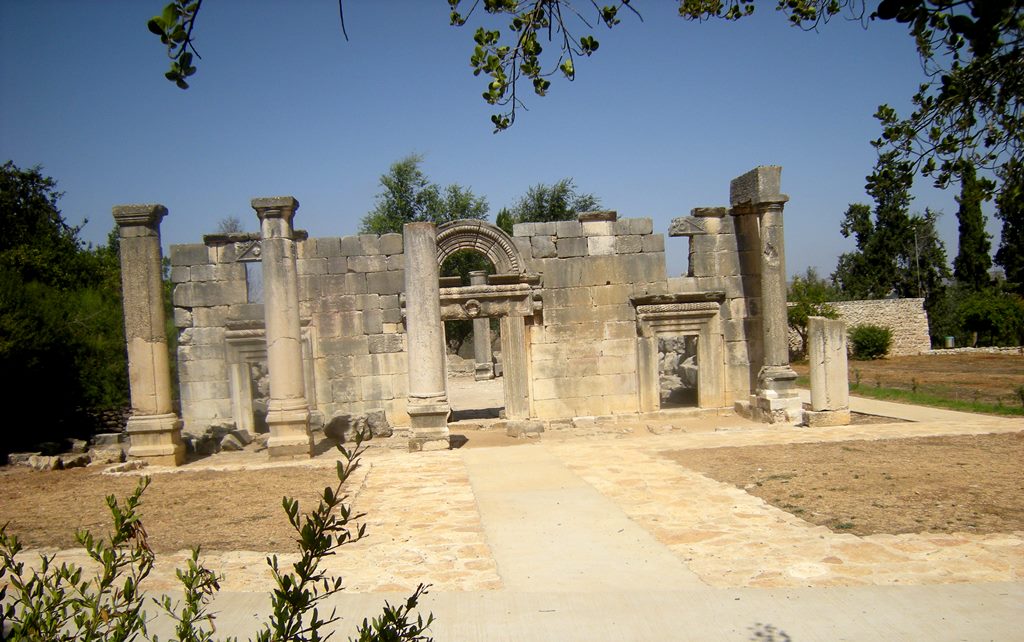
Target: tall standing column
{"x": 757, "y": 193}
{"x": 153, "y": 428}
{"x": 428, "y": 387}
{"x": 484, "y": 369}
{"x": 287, "y": 410}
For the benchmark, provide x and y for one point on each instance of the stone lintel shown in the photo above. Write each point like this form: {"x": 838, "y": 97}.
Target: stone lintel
{"x": 709, "y": 212}
{"x": 759, "y": 185}
{"x": 449, "y": 282}
{"x": 600, "y": 215}
{"x": 148, "y": 214}
{"x": 275, "y": 207}
{"x": 687, "y": 226}
{"x": 156, "y": 438}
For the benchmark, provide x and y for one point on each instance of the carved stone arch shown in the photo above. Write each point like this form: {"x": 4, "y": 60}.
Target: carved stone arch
{"x": 482, "y": 237}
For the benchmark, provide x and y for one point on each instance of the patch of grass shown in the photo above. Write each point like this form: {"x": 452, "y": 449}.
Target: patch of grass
{"x": 926, "y": 399}
{"x": 844, "y": 526}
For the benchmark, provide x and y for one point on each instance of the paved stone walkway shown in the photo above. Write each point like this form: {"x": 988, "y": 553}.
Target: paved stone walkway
{"x": 601, "y": 537}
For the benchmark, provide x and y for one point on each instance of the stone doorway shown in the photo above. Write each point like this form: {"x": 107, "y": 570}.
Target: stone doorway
{"x": 678, "y": 370}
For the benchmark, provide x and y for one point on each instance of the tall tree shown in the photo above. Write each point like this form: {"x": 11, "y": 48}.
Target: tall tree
{"x": 557, "y": 202}
{"x": 408, "y": 196}
{"x": 61, "y": 329}
{"x": 1010, "y": 210}
{"x": 972, "y": 261}
{"x": 896, "y": 253}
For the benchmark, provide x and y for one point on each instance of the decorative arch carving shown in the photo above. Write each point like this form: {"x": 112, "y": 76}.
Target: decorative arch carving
{"x": 479, "y": 236}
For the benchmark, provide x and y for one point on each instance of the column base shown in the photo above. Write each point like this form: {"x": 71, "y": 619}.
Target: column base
{"x": 484, "y": 372}
{"x": 825, "y": 418}
{"x": 429, "y": 423}
{"x": 156, "y": 439}
{"x": 290, "y": 437}
{"x": 776, "y": 400}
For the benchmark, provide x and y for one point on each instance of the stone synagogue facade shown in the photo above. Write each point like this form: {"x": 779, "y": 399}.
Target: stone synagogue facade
{"x": 587, "y": 317}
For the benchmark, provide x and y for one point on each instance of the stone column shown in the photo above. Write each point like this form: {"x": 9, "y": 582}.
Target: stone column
{"x": 830, "y": 385}
{"x": 515, "y": 375}
{"x": 153, "y": 428}
{"x": 482, "y": 336}
{"x": 287, "y": 410}
{"x": 428, "y": 387}
{"x": 756, "y": 193}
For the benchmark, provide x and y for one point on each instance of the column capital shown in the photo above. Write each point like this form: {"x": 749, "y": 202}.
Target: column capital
{"x": 275, "y": 207}
{"x": 147, "y": 214}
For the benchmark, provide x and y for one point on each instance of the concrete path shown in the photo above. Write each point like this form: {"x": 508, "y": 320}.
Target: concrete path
{"x": 550, "y": 531}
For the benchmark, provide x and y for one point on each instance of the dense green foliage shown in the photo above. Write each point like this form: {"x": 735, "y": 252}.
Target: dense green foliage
{"x": 870, "y": 341}
{"x": 989, "y": 317}
{"x": 556, "y": 202}
{"x": 59, "y": 604}
{"x": 897, "y": 253}
{"x": 972, "y": 262}
{"x": 809, "y": 296}
{"x": 62, "y": 352}
{"x": 408, "y": 196}
{"x": 1010, "y": 210}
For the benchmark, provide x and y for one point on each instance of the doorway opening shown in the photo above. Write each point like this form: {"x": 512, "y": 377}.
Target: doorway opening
{"x": 678, "y": 371}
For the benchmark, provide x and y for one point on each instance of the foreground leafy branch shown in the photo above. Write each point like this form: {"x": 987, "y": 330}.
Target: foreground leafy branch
{"x": 55, "y": 603}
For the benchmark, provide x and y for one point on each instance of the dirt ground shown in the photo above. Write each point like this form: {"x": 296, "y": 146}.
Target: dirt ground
{"x": 989, "y": 378}
{"x": 936, "y": 484}
{"x": 236, "y": 510}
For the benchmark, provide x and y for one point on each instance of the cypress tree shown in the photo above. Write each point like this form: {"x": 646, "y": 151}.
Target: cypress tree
{"x": 972, "y": 261}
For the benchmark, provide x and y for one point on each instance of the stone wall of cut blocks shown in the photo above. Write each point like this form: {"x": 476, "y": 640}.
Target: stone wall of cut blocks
{"x": 353, "y": 325}
{"x": 583, "y": 345}
{"x": 352, "y": 332}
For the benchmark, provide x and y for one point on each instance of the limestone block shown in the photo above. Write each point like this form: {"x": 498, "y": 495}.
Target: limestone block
{"x": 106, "y": 455}
{"x": 736, "y": 353}
{"x": 577, "y": 333}
{"x": 523, "y": 245}
{"x": 369, "y": 263}
{"x": 759, "y": 185}
{"x": 621, "y": 404}
{"x": 629, "y": 244}
{"x": 391, "y": 243}
{"x": 641, "y": 225}
{"x": 375, "y": 388}
{"x": 204, "y": 390}
{"x": 553, "y": 409}
{"x": 310, "y": 289}
{"x": 214, "y": 317}
{"x": 351, "y": 345}
{"x": 687, "y": 226}
{"x": 616, "y": 294}
{"x": 194, "y": 295}
{"x": 391, "y": 328}
{"x": 563, "y": 369}
{"x": 543, "y": 247}
{"x": 571, "y": 246}
{"x": 641, "y": 268}
{"x": 351, "y": 246}
{"x": 337, "y": 265}
{"x": 325, "y": 247}
{"x": 385, "y": 343}
{"x": 203, "y": 370}
{"x": 826, "y": 352}
{"x": 562, "y": 351}
{"x": 396, "y": 262}
{"x": 618, "y": 348}
{"x": 189, "y": 352}
{"x": 597, "y": 215}
{"x": 391, "y": 316}
{"x": 523, "y": 229}
{"x": 351, "y": 283}
{"x": 388, "y": 363}
{"x": 336, "y": 366}
{"x": 521, "y": 428}
{"x": 825, "y": 418}
{"x": 182, "y": 318}
{"x": 568, "y": 229}
{"x": 605, "y": 270}
{"x": 614, "y": 365}
{"x": 564, "y": 273}
{"x": 369, "y": 244}
{"x": 615, "y": 330}
{"x": 598, "y": 228}
{"x": 652, "y": 243}
{"x": 181, "y": 273}
{"x": 385, "y": 282}
{"x": 369, "y": 301}
{"x": 345, "y": 389}
{"x": 192, "y": 254}
{"x": 373, "y": 321}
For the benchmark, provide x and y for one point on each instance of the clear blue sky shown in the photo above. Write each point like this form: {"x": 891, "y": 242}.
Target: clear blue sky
{"x": 657, "y": 122}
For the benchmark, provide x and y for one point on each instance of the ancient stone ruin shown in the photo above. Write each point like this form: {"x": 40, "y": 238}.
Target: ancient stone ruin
{"x": 285, "y": 333}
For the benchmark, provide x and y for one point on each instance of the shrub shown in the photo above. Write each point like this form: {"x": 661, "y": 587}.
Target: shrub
{"x": 870, "y": 341}
{"x": 56, "y": 603}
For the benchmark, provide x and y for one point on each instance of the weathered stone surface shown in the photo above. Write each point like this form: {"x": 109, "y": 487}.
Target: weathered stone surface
{"x": 106, "y": 455}
{"x": 522, "y": 428}
{"x": 231, "y": 443}
{"x": 377, "y": 422}
{"x": 193, "y": 254}
{"x": 126, "y": 467}
{"x": 600, "y": 245}
{"x": 45, "y": 462}
{"x": 20, "y": 459}
{"x": 687, "y": 226}
{"x": 597, "y": 215}
{"x": 826, "y": 352}
{"x": 74, "y": 460}
{"x": 759, "y": 185}
{"x": 543, "y": 247}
